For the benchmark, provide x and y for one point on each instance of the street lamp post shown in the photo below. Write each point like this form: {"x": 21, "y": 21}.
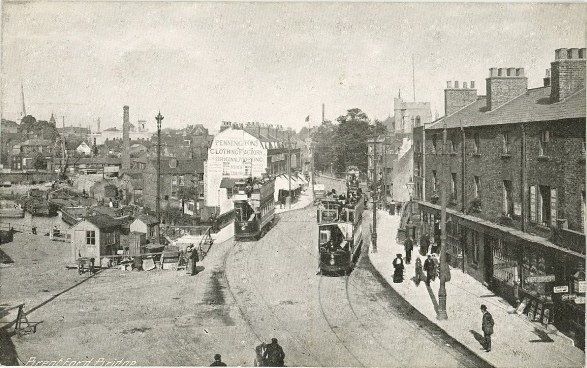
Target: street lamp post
{"x": 374, "y": 188}
{"x": 444, "y": 271}
{"x": 159, "y": 118}
{"x": 410, "y": 185}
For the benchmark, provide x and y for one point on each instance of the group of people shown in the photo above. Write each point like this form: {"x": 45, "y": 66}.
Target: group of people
{"x": 267, "y": 355}
{"x": 428, "y": 271}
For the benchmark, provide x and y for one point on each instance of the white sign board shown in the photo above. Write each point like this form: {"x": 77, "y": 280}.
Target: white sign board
{"x": 580, "y": 300}
{"x": 561, "y": 289}
{"x": 579, "y": 286}
{"x": 537, "y": 279}
{"x": 569, "y": 297}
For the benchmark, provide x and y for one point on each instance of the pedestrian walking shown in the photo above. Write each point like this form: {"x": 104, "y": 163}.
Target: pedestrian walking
{"x": 430, "y": 269}
{"x": 424, "y": 244}
{"x": 194, "y": 258}
{"x": 408, "y": 247}
{"x": 487, "y": 324}
{"x": 436, "y": 244}
{"x": 274, "y": 355}
{"x": 419, "y": 277}
{"x": 218, "y": 361}
{"x": 398, "y": 269}
{"x": 436, "y": 267}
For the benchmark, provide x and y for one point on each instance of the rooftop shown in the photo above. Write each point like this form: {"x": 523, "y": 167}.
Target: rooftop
{"x": 532, "y": 106}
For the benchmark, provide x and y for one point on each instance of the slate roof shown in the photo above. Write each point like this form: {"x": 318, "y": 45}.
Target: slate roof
{"x": 184, "y": 166}
{"x": 103, "y": 222}
{"x": 533, "y": 106}
{"x": 148, "y": 220}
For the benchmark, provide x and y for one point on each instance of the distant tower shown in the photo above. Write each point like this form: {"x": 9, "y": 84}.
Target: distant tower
{"x": 23, "y": 112}
{"x": 125, "y": 140}
{"x": 98, "y": 126}
{"x": 52, "y": 120}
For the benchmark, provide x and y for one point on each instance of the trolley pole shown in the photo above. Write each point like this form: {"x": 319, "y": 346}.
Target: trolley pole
{"x": 441, "y": 314}
{"x": 159, "y": 118}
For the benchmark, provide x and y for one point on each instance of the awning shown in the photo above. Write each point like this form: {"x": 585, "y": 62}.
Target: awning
{"x": 503, "y": 232}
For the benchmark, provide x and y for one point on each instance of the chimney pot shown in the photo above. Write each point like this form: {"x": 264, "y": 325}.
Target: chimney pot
{"x": 560, "y": 54}
{"x": 582, "y": 53}
{"x": 501, "y": 72}
{"x": 465, "y": 85}
{"x": 511, "y": 72}
{"x": 574, "y": 53}
{"x": 519, "y": 72}
{"x": 457, "y": 84}
{"x": 493, "y": 72}
{"x": 449, "y": 84}
{"x": 472, "y": 84}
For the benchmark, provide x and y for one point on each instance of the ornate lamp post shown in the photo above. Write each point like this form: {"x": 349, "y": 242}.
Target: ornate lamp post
{"x": 159, "y": 118}
{"x": 444, "y": 270}
{"x": 375, "y": 188}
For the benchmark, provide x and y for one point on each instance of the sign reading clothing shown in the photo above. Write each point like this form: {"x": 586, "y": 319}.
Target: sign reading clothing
{"x": 235, "y": 153}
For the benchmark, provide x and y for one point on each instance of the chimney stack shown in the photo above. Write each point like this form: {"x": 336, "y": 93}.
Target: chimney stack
{"x": 125, "y": 139}
{"x": 457, "y": 98}
{"x": 567, "y": 73}
{"x": 504, "y": 84}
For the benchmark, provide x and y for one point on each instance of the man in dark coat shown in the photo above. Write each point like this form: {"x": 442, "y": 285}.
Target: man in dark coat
{"x": 430, "y": 269}
{"x": 218, "y": 361}
{"x": 408, "y": 247}
{"x": 194, "y": 258}
{"x": 424, "y": 244}
{"x": 274, "y": 355}
{"x": 487, "y": 326}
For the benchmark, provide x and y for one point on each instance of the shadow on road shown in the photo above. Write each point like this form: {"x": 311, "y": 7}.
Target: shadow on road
{"x": 480, "y": 339}
{"x": 542, "y": 335}
{"x": 8, "y": 354}
{"x": 432, "y": 297}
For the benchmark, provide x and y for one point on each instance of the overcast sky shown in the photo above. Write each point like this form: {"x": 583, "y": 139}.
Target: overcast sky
{"x": 267, "y": 62}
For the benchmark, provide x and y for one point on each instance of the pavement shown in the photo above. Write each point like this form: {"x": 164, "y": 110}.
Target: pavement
{"x": 516, "y": 341}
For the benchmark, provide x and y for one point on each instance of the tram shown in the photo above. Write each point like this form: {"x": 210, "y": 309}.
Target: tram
{"x": 352, "y": 181}
{"x": 340, "y": 233}
{"x": 254, "y": 207}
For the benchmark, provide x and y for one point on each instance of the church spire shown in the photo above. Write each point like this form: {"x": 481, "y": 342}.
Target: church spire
{"x": 23, "y": 112}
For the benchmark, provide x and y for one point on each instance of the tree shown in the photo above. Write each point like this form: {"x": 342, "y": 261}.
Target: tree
{"x": 351, "y": 140}
{"x": 41, "y": 128}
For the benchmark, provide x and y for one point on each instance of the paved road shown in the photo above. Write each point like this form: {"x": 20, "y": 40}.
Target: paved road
{"x": 247, "y": 292}
{"x": 329, "y": 321}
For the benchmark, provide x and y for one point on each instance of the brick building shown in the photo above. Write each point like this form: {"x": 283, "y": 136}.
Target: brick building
{"x": 177, "y": 175}
{"x": 514, "y": 169}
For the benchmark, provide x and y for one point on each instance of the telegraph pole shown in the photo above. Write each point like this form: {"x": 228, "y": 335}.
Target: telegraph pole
{"x": 159, "y": 118}
{"x": 374, "y": 233}
{"x": 289, "y": 168}
{"x": 441, "y": 314}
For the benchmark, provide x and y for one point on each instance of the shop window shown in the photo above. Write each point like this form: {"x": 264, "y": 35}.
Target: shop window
{"x": 505, "y": 261}
{"x": 544, "y": 140}
{"x": 508, "y": 199}
{"x": 476, "y": 144}
{"x": 91, "y": 237}
{"x": 506, "y": 143}
{"x": 109, "y": 238}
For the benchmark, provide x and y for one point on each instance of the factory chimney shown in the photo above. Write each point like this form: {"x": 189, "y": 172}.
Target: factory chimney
{"x": 125, "y": 140}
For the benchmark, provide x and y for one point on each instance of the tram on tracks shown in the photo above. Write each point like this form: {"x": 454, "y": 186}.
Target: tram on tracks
{"x": 254, "y": 207}
{"x": 340, "y": 233}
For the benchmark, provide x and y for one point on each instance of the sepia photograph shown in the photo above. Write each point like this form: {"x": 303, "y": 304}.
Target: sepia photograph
{"x": 284, "y": 183}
